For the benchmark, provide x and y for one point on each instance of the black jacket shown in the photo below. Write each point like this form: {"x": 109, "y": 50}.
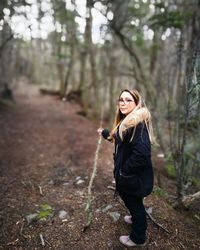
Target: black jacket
{"x": 133, "y": 170}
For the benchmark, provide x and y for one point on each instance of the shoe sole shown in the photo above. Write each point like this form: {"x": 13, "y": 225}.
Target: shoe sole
{"x": 136, "y": 245}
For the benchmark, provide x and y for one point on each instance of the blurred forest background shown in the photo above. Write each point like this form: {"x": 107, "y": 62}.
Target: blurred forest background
{"x": 90, "y": 50}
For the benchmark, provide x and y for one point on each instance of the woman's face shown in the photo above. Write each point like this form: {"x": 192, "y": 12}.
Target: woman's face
{"x": 126, "y": 103}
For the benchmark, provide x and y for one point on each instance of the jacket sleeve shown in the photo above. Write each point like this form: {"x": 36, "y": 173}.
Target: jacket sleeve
{"x": 140, "y": 151}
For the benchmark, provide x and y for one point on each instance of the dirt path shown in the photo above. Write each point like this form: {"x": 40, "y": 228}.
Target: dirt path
{"x": 46, "y": 156}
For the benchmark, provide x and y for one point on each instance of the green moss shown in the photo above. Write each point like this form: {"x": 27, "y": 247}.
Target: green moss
{"x": 45, "y": 212}
{"x": 161, "y": 216}
{"x": 159, "y": 192}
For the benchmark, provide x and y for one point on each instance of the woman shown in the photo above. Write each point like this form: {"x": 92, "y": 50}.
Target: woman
{"x": 132, "y": 134}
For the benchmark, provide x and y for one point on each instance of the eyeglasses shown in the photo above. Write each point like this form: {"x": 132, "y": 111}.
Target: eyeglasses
{"x": 125, "y": 101}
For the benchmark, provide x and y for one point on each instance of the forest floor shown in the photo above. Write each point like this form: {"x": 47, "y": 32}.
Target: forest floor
{"x": 46, "y": 158}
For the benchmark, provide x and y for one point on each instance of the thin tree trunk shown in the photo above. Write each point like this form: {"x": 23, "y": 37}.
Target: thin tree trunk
{"x": 194, "y": 49}
{"x": 71, "y": 31}
{"x": 83, "y": 59}
{"x": 69, "y": 70}
{"x": 88, "y": 51}
{"x": 112, "y": 79}
{"x": 60, "y": 68}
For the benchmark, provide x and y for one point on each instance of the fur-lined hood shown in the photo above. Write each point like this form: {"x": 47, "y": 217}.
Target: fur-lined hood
{"x": 133, "y": 119}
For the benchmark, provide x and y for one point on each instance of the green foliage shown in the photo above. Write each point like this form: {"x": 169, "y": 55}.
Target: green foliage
{"x": 167, "y": 20}
{"x": 45, "y": 212}
{"x": 169, "y": 166}
{"x": 160, "y": 5}
{"x": 168, "y": 157}
{"x": 192, "y": 159}
{"x": 160, "y": 192}
{"x": 196, "y": 182}
{"x": 171, "y": 172}
{"x": 136, "y": 12}
{"x": 140, "y": 40}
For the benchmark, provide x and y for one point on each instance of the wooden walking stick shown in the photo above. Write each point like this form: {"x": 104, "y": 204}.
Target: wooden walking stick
{"x": 88, "y": 207}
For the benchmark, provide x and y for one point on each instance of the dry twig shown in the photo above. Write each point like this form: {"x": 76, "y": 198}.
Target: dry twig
{"x": 42, "y": 240}
{"x": 13, "y": 242}
{"x": 150, "y": 217}
{"x": 155, "y": 222}
{"x": 111, "y": 187}
{"x": 40, "y": 189}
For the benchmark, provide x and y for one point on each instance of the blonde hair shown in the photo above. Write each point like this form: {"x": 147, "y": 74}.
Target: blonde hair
{"x": 139, "y": 114}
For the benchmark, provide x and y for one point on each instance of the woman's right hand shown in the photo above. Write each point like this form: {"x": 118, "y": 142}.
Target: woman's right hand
{"x": 100, "y": 131}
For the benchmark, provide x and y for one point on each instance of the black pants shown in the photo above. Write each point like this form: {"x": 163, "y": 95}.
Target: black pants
{"x": 139, "y": 226}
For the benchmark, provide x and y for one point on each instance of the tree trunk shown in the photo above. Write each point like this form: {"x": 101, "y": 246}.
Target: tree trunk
{"x": 69, "y": 70}
{"x": 194, "y": 50}
{"x": 85, "y": 52}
